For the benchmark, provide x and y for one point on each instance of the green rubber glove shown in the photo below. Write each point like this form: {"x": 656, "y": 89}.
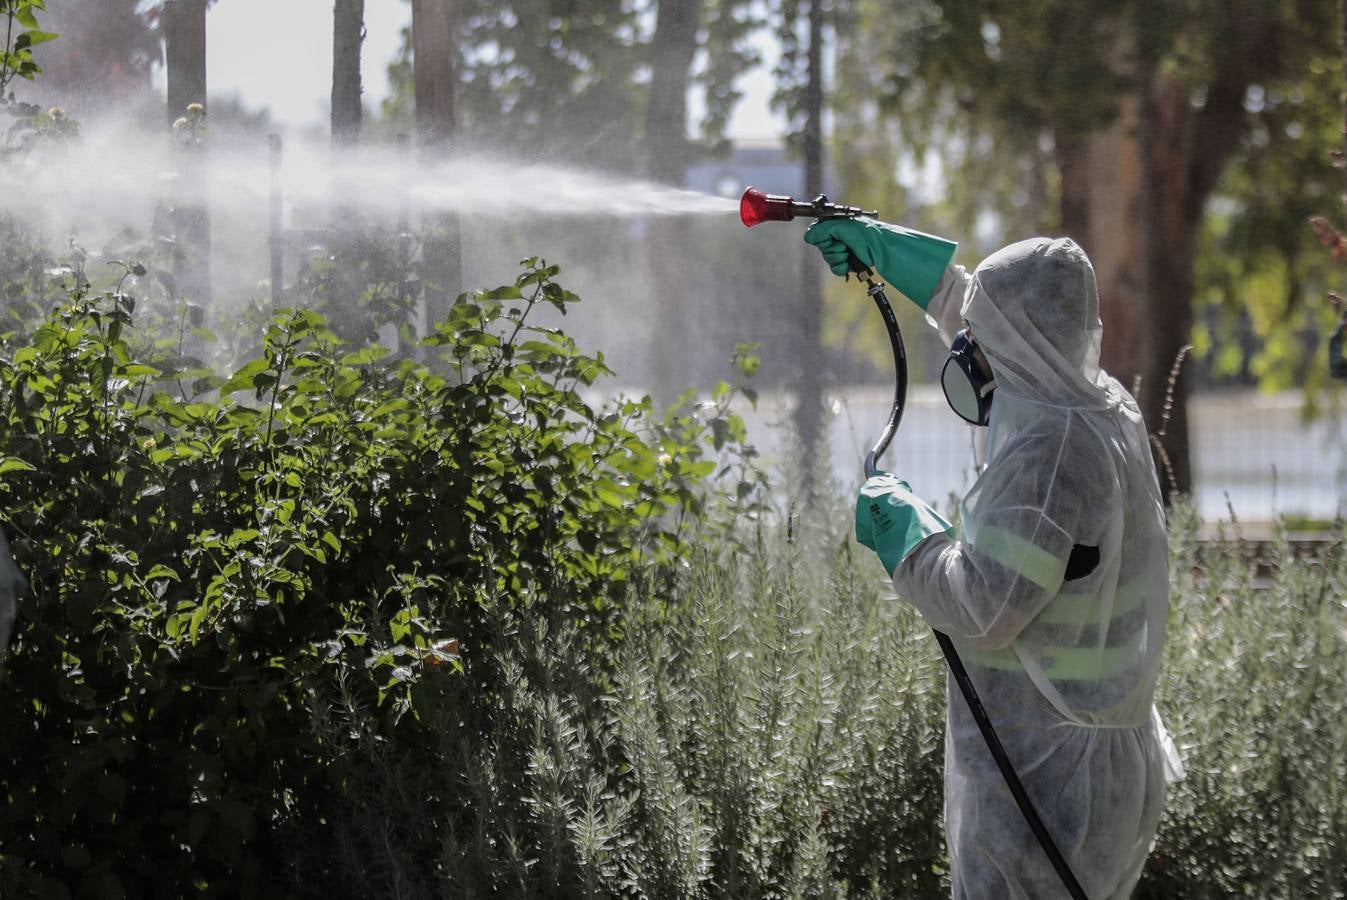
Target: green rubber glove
{"x": 911, "y": 261}
{"x": 891, "y": 520}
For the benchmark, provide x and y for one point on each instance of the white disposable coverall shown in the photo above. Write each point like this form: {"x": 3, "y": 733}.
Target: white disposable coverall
{"x": 1065, "y": 667}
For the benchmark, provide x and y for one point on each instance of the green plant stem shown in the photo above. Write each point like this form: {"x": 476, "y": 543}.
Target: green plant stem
{"x": 5, "y": 75}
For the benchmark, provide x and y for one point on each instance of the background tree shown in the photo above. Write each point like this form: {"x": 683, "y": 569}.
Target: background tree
{"x": 667, "y": 151}
{"x": 1260, "y": 277}
{"x": 672, "y": 47}
{"x": 801, "y": 26}
{"x": 105, "y": 57}
{"x": 184, "y": 27}
{"x": 1144, "y": 109}
{"x": 557, "y": 81}
{"x": 584, "y": 83}
{"x": 604, "y": 85}
{"x": 718, "y": 30}
{"x": 348, "y": 33}
{"x": 435, "y": 66}
{"x": 347, "y": 116}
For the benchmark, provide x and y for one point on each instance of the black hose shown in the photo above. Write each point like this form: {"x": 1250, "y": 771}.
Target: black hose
{"x": 1026, "y": 805}
{"x": 970, "y": 695}
{"x": 876, "y": 291}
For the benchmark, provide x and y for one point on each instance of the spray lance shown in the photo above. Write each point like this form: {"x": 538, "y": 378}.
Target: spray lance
{"x": 756, "y": 207}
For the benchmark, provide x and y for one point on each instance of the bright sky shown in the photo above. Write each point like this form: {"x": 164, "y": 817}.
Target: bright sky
{"x": 278, "y": 53}
{"x": 253, "y": 51}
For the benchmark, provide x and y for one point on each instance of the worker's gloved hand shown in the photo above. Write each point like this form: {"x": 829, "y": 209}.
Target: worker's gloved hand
{"x": 891, "y": 520}
{"x": 911, "y": 261}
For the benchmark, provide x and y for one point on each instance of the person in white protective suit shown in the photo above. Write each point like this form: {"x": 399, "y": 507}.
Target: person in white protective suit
{"x": 1054, "y": 588}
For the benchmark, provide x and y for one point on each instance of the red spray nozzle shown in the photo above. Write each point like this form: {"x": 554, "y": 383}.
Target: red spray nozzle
{"x": 756, "y": 206}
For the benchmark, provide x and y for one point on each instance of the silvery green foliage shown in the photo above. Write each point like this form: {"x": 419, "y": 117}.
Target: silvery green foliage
{"x": 1256, "y": 693}
{"x": 768, "y": 726}
{"x": 771, "y": 726}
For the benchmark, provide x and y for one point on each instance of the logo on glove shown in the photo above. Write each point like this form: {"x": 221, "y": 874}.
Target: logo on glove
{"x": 879, "y": 519}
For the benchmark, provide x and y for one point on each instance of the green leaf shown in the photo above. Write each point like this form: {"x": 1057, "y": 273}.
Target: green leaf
{"x": 194, "y": 627}
{"x": 14, "y": 464}
{"x": 365, "y": 356}
{"x": 262, "y": 382}
{"x": 505, "y": 292}
{"x": 242, "y": 536}
{"x": 538, "y": 350}
{"x": 243, "y": 378}
{"x": 162, "y": 571}
{"x": 476, "y": 338}
{"x": 32, "y": 38}
{"x": 138, "y": 370}
{"x": 720, "y": 431}
{"x": 394, "y": 405}
{"x": 700, "y": 469}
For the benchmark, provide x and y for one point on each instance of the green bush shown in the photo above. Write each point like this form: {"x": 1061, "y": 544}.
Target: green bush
{"x": 768, "y": 732}
{"x": 211, "y": 576}
{"x": 1255, "y": 693}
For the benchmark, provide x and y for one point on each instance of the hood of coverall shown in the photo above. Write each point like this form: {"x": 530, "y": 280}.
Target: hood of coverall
{"x": 1034, "y": 309}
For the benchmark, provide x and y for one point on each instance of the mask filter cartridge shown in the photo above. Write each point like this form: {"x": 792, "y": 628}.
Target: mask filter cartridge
{"x": 968, "y": 385}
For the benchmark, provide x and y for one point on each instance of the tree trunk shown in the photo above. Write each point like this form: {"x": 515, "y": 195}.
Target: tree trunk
{"x": 1172, "y": 216}
{"x": 348, "y": 244}
{"x": 1140, "y": 232}
{"x": 1104, "y": 209}
{"x": 667, "y": 237}
{"x": 1073, "y": 166}
{"x": 348, "y": 33}
{"x": 185, "y": 50}
{"x": 185, "y": 46}
{"x": 1147, "y": 179}
{"x": 672, "y": 48}
{"x": 433, "y": 61}
{"x": 809, "y": 392}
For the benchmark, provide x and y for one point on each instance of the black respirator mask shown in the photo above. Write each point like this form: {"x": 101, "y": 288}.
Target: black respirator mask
{"x": 968, "y": 384}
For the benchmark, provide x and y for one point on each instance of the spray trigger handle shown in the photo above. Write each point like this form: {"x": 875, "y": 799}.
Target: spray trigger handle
{"x": 857, "y": 268}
